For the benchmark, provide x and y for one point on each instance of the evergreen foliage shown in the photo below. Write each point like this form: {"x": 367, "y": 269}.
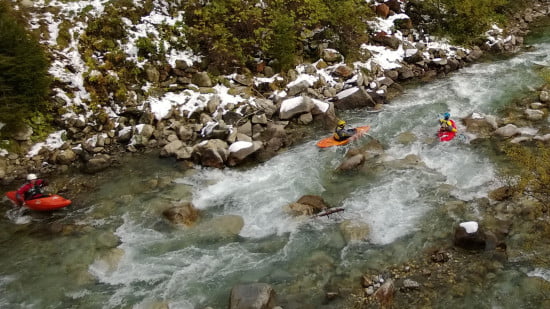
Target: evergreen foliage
{"x": 463, "y": 21}
{"x": 24, "y": 79}
{"x": 234, "y": 33}
{"x": 282, "y": 41}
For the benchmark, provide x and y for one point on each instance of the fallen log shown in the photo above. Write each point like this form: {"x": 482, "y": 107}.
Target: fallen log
{"x": 329, "y": 211}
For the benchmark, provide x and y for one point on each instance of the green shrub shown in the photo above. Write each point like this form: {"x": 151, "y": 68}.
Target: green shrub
{"x": 348, "y": 22}
{"x": 532, "y": 176}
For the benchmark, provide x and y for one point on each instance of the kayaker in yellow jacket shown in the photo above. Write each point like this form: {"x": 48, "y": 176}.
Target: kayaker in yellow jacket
{"x": 446, "y": 124}
{"x": 341, "y": 133}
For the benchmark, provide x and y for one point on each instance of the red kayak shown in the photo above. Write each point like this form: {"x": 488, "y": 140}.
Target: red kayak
{"x": 445, "y": 136}
{"x": 330, "y": 141}
{"x": 49, "y": 202}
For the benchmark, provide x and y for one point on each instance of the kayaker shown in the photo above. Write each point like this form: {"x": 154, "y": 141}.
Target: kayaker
{"x": 32, "y": 189}
{"x": 341, "y": 133}
{"x": 446, "y": 124}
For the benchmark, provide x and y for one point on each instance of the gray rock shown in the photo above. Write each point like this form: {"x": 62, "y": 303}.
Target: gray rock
{"x": 508, "y": 130}
{"x": 252, "y": 296}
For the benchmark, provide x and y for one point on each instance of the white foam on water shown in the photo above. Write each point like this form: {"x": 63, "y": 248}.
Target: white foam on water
{"x": 543, "y": 273}
{"x": 17, "y": 215}
{"x": 168, "y": 266}
{"x": 259, "y": 195}
{"x": 392, "y": 208}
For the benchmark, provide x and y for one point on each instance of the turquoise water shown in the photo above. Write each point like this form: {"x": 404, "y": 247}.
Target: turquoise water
{"x": 113, "y": 249}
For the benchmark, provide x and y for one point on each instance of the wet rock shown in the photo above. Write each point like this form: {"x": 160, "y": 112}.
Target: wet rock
{"x": 409, "y": 284}
{"x": 185, "y": 214}
{"x": 469, "y": 235}
{"x": 252, "y": 296}
{"x": 508, "y": 130}
{"x": 315, "y": 201}
{"x": 406, "y": 138}
{"x": 501, "y": 193}
{"x": 480, "y": 124}
{"x": 108, "y": 240}
{"x": 298, "y": 209}
{"x": 544, "y": 96}
{"x": 351, "y": 163}
{"x": 534, "y": 114}
{"x": 440, "y": 256}
{"x": 385, "y": 293}
{"x": 108, "y": 262}
{"x": 353, "y": 230}
{"x": 226, "y": 226}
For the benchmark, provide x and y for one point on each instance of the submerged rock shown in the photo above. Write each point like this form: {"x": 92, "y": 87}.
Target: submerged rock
{"x": 252, "y": 296}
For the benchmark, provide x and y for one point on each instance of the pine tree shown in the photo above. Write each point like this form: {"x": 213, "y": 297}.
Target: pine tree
{"x": 24, "y": 79}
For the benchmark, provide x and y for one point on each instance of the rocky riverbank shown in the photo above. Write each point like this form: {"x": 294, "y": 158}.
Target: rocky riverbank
{"x": 246, "y": 117}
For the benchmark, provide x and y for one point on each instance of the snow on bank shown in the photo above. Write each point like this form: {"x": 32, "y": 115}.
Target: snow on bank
{"x": 53, "y": 141}
{"x": 69, "y": 66}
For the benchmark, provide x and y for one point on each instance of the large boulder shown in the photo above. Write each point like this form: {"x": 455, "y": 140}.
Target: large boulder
{"x": 239, "y": 150}
{"x": 352, "y": 162}
{"x": 508, "y": 130}
{"x": 295, "y": 106}
{"x": 469, "y": 235}
{"x": 211, "y": 153}
{"x": 65, "y": 157}
{"x": 307, "y": 205}
{"x": 171, "y": 148}
{"x": 480, "y": 124}
{"x": 355, "y": 97}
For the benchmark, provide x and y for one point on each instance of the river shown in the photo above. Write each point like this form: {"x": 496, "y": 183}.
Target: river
{"x": 113, "y": 249}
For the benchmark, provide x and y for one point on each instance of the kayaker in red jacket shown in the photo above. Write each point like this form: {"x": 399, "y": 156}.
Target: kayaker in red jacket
{"x": 31, "y": 189}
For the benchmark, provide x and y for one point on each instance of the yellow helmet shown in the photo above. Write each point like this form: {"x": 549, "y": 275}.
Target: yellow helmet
{"x": 341, "y": 123}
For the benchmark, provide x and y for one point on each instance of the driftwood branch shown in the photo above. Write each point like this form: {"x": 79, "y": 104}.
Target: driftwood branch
{"x": 329, "y": 211}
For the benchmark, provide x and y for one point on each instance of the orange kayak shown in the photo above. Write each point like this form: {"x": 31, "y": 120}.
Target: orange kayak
{"x": 330, "y": 141}
{"x": 49, "y": 202}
